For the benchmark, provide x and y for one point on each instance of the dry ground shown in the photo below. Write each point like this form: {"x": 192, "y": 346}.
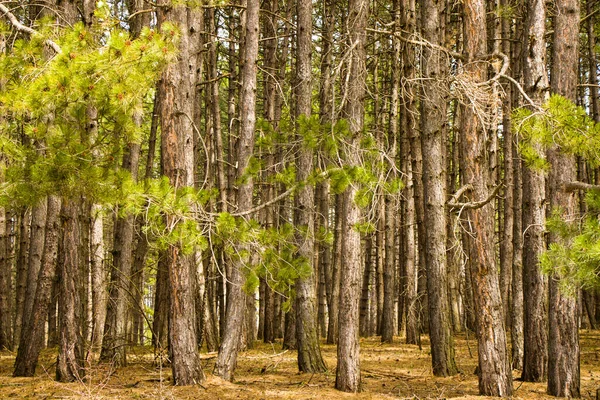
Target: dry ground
{"x": 388, "y": 371}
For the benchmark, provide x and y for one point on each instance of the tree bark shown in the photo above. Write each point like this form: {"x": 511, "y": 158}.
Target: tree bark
{"x": 226, "y": 361}
{"x": 70, "y": 367}
{"x": 563, "y": 338}
{"x": 32, "y": 334}
{"x": 309, "y": 352}
{"x": 348, "y": 367}
{"x": 494, "y": 371}
{"x": 177, "y": 105}
{"x": 433, "y": 106}
{"x": 534, "y": 213}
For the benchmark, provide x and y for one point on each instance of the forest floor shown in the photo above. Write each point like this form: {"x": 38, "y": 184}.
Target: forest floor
{"x": 388, "y": 372}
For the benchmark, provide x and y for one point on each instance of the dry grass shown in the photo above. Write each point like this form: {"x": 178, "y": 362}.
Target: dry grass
{"x": 388, "y": 372}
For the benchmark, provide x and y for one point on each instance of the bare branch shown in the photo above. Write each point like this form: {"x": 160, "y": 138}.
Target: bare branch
{"x": 474, "y": 204}
{"x": 22, "y": 28}
{"x": 573, "y": 186}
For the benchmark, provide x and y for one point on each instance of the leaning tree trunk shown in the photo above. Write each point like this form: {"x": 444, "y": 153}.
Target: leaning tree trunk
{"x": 348, "y": 353}
{"x": 535, "y": 315}
{"x": 177, "y": 91}
{"x": 494, "y": 370}
{"x": 563, "y": 338}
{"x": 227, "y": 358}
{"x": 309, "y": 352}
{"x": 433, "y": 110}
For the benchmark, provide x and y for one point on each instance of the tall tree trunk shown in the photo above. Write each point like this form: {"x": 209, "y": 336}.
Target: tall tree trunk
{"x": 177, "y": 91}
{"x": 494, "y": 370}
{"x": 435, "y": 192}
{"x": 563, "y": 338}
{"x": 309, "y": 352}
{"x": 534, "y": 213}
{"x": 226, "y": 361}
{"x": 34, "y": 324}
{"x": 348, "y": 367}
{"x": 389, "y": 279}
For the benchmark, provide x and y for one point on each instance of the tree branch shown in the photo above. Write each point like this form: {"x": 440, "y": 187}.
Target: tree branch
{"x": 474, "y": 204}
{"x": 22, "y": 28}
{"x": 573, "y": 186}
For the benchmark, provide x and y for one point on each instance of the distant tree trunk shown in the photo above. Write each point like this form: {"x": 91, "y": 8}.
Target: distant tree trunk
{"x": 389, "y": 279}
{"x": 563, "y": 338}
{"x": 364, "y": 314}
{"x": 161, "y": 305}
{"x": 226, "y": 361}
{"x": 36, "y": 248}
{"x": 512, "y": 314}
{"x": 348, "y": 367}
{"x": 99, "y": 290}
{"x": 435, "y": 193}
{"x": 408, "y": 125}
{"x": 114, "y": 345}
{"x": 334, "y": 293}
{"x": 178, "y": 96}
{"x": 593, "y": 63}
{"x": 495, "y": 377}
{"x": 5, "y": 286}
{"x": 21, "y": 275}
{"x": 32, "y": 334}
{"x": 70, "y": 365}
{"x": 534, "y": 214}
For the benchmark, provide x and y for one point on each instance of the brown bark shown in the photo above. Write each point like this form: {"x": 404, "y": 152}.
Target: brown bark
{"x": 534, "y": 213}
{"x": 433, "y": 110}
{"x": 177, "y": 106}
{"x": 226, "y": 361}
{"x": 348, "y": 367}
{"x": 309, "y": 352}
{"x": 494, "y": 371}
{"x": 70, "y": 367}
{"x": 563, "y": 338}
{"x": 32, "y": 334}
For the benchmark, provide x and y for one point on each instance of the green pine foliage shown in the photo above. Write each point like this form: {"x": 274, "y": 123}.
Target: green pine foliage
{"x": 575, "y": 255}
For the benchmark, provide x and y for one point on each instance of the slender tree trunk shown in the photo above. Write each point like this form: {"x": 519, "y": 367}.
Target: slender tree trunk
{"x": 435, "y": 193}
{"x": 563, "y": 338}
{"x": 334, "y": 297}
{"x": 114, "y": 345}
{"x": 494, "y": 370}
{"x": 534, "y": 214}
{"x": 348, "y": 367}
{"x": 5, "y": 286}
{"x": 32, "y": 334}
{"x": 309, "y": 352}
{"x": 389, "y": 279}
{"x": 227, "y": 358}
{"x": 21, "y": 276}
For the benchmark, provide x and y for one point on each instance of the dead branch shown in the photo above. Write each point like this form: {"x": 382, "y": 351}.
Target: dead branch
{"x": 22, "y": 28}
{"x": 474, "y": 204}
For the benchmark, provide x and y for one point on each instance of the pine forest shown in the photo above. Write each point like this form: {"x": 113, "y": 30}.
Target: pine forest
{"x": 293, "y": 199}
